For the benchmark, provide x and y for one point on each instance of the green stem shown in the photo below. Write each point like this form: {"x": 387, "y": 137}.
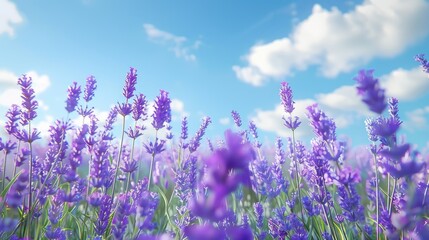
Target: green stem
{"x": 4, "y": 170}
{"x": 118, "y": 161}
{"x": 152, "y": 162}
{"x": 377, "y": 193}
{"x": 30, "y": 179}
{"x": 132, "y": 156}
{"x": 391, "y": 197}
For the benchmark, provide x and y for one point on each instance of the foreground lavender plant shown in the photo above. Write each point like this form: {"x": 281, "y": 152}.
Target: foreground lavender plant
{"x": 238, "y": 189}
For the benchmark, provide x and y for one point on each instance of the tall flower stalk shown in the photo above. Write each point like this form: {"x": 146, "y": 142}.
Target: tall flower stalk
{"x": 124, "y": 109}
{"x": 161, "y": 116}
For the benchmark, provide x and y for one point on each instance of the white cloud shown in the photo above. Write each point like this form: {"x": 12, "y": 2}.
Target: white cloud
{"x": 224, "y": 121}
{"x": 271, "y": 120}
{"x": 406, "y": 84}
{"x": 339, "y": 42}
{"x": 417, "y": 119}
{"x": 177, "y": 44}
{"x": 9, "y": 16}
{"x": 43, "y": 125}
{"x": 343, "y": 99}
{"x": 11, "y": 93}
{"x": 178, "y": 107}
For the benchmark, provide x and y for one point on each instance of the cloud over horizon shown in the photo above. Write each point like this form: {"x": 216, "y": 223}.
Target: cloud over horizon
{"x": 338, "y": 42}
{"x": 179, "y": 45}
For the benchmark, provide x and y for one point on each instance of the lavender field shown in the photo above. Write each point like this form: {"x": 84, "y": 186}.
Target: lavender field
{"x": 85, "y": 182}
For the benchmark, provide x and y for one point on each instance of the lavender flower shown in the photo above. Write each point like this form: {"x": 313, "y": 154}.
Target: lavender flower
{"x": 350, "y": 203}
{"x": 124, "y": 109}
{"x": 382, "y": 128}
{"x": 103, "y": 215}
{"x": 7, "y": 224}
{"x": 162, "y": 113}
{"x": 130, "y": 83}
{"x": 236, "y": 117}
{"x": 56, "y": 209}
{"x": 12, "y": 115}
{"x": 108, "y": 125}
{"x": 73, "y": 94}
{"x": 194, "y": 143}
{"x": 291, "y": 123}
{"x": 286, "y": 97}
{"x": 8, "y": 147}
{"x": 369, "y": 88}
{"x": 423, "y": 62}
{"x": 25, "y": 136}
{"x": 234, "y": 158}
{"x": 140, "y": 107}
{"x": 29, "y": 105}
{"x": 323, "y": 126}
{"x": 90, "y": 87}
{"x": 155, "y": 148}
{"x": 22, "y": 157}
{"x": 78, "y": 145}
{"x": 55, "y": 233}
{"x": 120, "y": 221}
{"x": 308, "y": 205}
{"x": 146, "y": 206}
{"x": 259, "y": 214}
{"x": 100, "y": 172}
{"x": 16, "y": 193}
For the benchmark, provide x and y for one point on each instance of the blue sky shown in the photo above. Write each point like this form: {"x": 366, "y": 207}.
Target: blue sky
{"x": 218, "y": 56}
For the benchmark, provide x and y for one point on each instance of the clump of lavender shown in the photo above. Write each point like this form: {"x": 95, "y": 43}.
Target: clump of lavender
{"x": 103, "y": 215}
{"x": 73, "y": 95}
{"x": 234, "y": 158}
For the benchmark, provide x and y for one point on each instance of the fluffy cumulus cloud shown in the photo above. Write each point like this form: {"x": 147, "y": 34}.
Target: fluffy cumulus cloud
{"x": 406, "y": 85}
{"x": 9, "y": 17}
{"x": 10, "y": 92}
{"x": 339, "y": 41}
{"x": 178, "y": 108}
{"x": 224, "y": 121}
{"x": 179, "y": 45}
{"x": 271, "y": 120}
{"x": 417, "y": 119}
{"x": 343, "y": 99}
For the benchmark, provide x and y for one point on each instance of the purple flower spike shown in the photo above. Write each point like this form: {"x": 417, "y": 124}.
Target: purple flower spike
{"x": 162, "y": 113}
{"x": 323, "y": 126}
{"x": 286, "y": 97}
{"x": 140, "y": 107}
{"x": 423, "y": 62}
{"x": 29, "y": 105}
{"x": 204, "y": 232}
{"x": 369, "y": 88}
{"x": 25, "y": 136}
{"x": 73, "y": 94}
{"x": 184, "y": 133}
{"x": 90, "y": 87}
{"x": 120, "y": 221}
{"x": 130, "y": 84}
{"x": 103, "y": 215}
{"x": 236, "y": 117}
{"x": 382, "y": 128}
{"x": 12, "y": 115}
{"x": 16, "y": 193}
{"x": 194, "y": 143}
